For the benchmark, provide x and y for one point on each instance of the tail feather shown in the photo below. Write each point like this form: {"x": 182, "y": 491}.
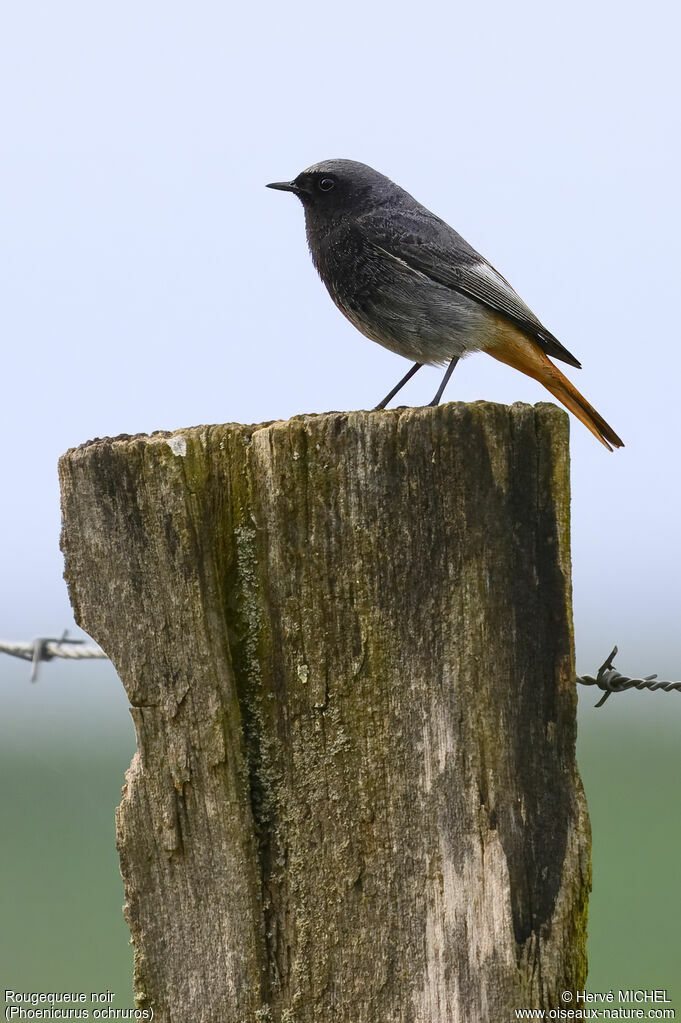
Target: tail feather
{"x": 520, "y": 352}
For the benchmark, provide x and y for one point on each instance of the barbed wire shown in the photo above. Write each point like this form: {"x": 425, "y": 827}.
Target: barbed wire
{"x": 610, "y": 680}
{"x": 45, "y": 648}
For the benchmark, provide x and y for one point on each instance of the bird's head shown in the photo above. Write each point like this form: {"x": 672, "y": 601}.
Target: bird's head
{"x": 335, "y": 188}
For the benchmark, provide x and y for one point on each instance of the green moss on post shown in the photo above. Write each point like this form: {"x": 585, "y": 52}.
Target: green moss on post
{"x": 347, "y": 644}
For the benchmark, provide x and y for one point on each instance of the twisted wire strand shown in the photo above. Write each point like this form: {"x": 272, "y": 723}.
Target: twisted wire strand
{"x": 610, "y": 680}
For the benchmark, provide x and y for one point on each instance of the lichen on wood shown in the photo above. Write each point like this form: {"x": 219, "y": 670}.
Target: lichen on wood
{"x": 346, "y": 640}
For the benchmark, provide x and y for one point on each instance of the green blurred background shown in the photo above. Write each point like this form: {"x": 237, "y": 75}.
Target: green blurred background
{"x": 61, "y": 896}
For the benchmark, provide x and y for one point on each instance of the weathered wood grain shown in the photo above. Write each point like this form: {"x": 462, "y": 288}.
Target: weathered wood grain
{"x": 346, "y": 640}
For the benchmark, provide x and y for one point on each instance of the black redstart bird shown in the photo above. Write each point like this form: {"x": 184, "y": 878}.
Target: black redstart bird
{"x": 407, "y": 280}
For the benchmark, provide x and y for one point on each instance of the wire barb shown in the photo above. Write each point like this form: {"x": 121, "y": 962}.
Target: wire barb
{"x": 45, "y": 648}
{"x": 610, "y": 680}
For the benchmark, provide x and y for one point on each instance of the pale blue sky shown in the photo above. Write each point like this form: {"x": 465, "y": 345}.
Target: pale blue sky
{"x": 150, "y": 281}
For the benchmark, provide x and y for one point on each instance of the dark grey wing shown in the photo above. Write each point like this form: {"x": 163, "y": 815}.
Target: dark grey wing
{"x": 433, "y": 248}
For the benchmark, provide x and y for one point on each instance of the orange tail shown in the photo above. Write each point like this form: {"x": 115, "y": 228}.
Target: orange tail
{"x": 519, "y": 351}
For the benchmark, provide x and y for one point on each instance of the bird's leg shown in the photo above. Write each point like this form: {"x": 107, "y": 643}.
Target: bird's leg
{"x": 450, "y": 369}
{"x": 398, "y": 387}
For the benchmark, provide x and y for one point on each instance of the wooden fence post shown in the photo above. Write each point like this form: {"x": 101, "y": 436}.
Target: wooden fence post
{"x": 347, "y": 644}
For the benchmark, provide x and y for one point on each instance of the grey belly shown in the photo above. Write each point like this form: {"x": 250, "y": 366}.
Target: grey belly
{"x": 419, "y": 319}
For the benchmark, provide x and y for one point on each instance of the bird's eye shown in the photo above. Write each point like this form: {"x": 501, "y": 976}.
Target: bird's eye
{"x": 326, "y": 184}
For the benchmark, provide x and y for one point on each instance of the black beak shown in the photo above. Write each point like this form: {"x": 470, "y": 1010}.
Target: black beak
{"x": 284, "y": 186}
